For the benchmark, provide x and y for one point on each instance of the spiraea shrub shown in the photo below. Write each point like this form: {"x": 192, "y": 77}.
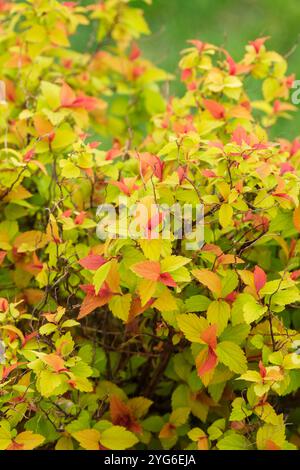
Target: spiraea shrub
{"x": 147, "y": 342}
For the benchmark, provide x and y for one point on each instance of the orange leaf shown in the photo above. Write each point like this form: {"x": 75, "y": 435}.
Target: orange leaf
{"x": 147, "y": 270}
{"x": 229, "y": 259}
{"x": 209, "y": 279}
{"x": 67, "y": 95}
{"x": 54, "y": 361}
{"x": 270, "y": 445}
{"x": 167, "y": 431}
{"x": 209, "y": 336}
{"x": 122, "y": 415}
{"x": 206, "y": 361}
{"x": 2, "y": 256}
{"x": 91, "y": 302}
{"x": 296, "y": 218}
{"x": 216, "y": 109}
{"x": 260, "y": 278}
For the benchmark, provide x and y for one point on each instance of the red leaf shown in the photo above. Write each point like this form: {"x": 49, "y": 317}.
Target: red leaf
{"x": 216, "y": 109}
{"x": 208, "y": 364}
{"x": 83, "y": 101}
{"x": 29, "y": 155}
{"x": 92, "y": 262}
{"x": 257, "y": 43}
{"x": 260, "y": 278}
{"x": 79, "y": 219}
{"x": 126, "y": 185}
{"x": 167, "y": 279}
{"x": 208, "y": 173}
{"x": 186, "y": 74}
{"x": 2, "y": 256}
{"x": 3, "y": 304}
{"x": 240, "y": 135}
{"x": 231, "y": 64}
{"x": 262, "y": 369}
{"x": 67, "y": 213}
{"x": 286, "y": 167}
{"x": 198, "y": 44}
{"x": 135, "y": 52}
{"x": 295, "y": 274}
{"x": 182, "y": 173}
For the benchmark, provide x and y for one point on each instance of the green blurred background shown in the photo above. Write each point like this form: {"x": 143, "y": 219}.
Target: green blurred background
{"x": 230, "y": 23}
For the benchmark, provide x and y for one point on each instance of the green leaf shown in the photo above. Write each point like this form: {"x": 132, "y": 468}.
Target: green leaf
{"x": 171, "y": 263}
{"x": 100, "y": 276}
{"x": 179, "y": 416}
{"x": 153, "y": 423}
{"x": 232, "y": 356}
{"x": 237, "y": 334}
{"x": 192, "y": 326}
{"x": 120, "y": 306}
{"x": 48, "y": 329}
{"x": 48, "y": 382}
{"x": 70, "y": 323}
{"x": 229, "y": 282}
{"x": 252, "y": 310}
{"x": 240, "y": 410}
{"x": 197, "y": 303}
{"x": 69, "y": 170}
{"x": 118, "y": 438}
{"x": 218, "y": 313}
{"x": 234, "y": 441}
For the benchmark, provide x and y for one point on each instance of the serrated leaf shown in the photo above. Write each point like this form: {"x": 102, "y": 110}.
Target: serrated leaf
{"x": 232, "y": 356}
{"x": 192, "y": 326}
{"x": 234, "y": 441}
{"x": 120, "y": 306}
{"x": 118, "y": 438}
{"x": 100, "y": 276}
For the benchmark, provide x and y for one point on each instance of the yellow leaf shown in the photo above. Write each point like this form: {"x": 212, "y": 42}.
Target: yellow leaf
{"x": 209, "y": 279}
{"x": 117, "y": 438}
{"x": 30, "y": 241}
{"x": 146, "y": 290}
{"x": 218, "y": 313}
{"x": 64, "y": 443}
{"x": 5, "y": 437}
{"x": 165, "y": 302}
{"x": 192, "y": 326}
{"x": 225, "y": 215}
{"x": 88, "y": 438}
{"x": 29, "y": 440}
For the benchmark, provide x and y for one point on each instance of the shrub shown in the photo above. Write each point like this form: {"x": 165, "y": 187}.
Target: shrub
{"x": 142, "y": 342}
